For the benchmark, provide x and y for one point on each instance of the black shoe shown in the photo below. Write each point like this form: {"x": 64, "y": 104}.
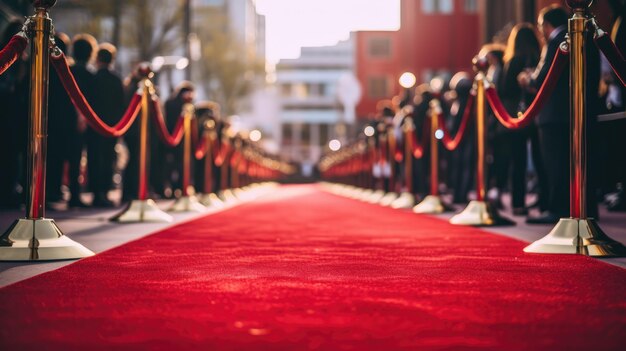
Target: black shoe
{"x": 544, "y": 218}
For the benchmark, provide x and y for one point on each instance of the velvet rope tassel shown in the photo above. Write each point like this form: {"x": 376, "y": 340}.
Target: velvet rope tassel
{"x": 452, "y": 143}
{"x": 10, "y": 53}
{"x": 612, "y": 54}
{"x": 168, "y": 139}
{"x": 523, "y": 120}
{"x": 78, "y": 99}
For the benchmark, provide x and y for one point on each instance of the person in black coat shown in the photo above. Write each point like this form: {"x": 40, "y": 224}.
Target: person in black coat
{"x": 83, "y": 46}
{"x": 553, "y": 120}
{"x": 61, "y": 129}
{"x": 14, "y": 119}
{"x": 109, "y": 105}
{"x": 522, "y": 52}
{"x": 173, "y": 167}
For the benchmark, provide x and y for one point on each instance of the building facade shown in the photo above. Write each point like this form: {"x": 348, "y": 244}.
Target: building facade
{"x": 436, "y": 38}
{"x": 311, "y": 113}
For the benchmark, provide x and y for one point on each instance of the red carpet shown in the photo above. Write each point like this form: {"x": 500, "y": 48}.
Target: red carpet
{"x": 308, "y": 270}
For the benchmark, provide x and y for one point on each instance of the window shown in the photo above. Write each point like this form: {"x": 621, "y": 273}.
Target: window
{"x": 437, "y": 6}
{"x": 286, "y": 89}
{"x": 377, "y": 87}
{"x": 306, "y": 134}
{"x": 379, "y": 47}
{"x": 471, "y": 6}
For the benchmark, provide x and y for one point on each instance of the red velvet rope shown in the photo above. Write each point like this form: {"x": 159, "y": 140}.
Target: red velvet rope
{"x": 452, "y": 143}
{"x": 78, "y": 99}
{"x": 173, "y": 139}
{"x": 542, "y": 96}
{"x": 10, "y": 53}
{"x": 612, "y": 54}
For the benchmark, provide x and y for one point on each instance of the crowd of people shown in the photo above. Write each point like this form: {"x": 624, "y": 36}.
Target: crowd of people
{"x": 79, "y": 159}
{"x": 534, "y": 158}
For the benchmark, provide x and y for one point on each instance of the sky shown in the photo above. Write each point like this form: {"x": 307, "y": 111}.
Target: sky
{"x": 292, "y": 24}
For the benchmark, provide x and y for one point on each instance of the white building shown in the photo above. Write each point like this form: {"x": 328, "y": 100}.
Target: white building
{"x": 310, "y": 110}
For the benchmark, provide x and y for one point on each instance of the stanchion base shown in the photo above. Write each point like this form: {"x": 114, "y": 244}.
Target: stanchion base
{"x": 39, "y": 240}
{"x": 404, "y": 201}
{"x": 431, "y": 204}
{"x": 227, "y": 196}
{"x": 388, "y": 199}
{"x": 211, "y": 200}
{"x": 188, "y": 203}
{"x": 365, "y": 195}
{"x": 375, "y": 197}
{"x": 142, "y": 211}
{"x": 578, "y": 236}
{"x": 480, "y": 213}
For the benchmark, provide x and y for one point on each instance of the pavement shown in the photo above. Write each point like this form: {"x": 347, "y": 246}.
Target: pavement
{"x": 92, "y": 228}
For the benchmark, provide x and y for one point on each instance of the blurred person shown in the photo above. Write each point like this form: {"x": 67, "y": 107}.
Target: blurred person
{"x": 553, "y": 120}
{"x": 206, "y": 111}
{"x": 61, "y": 115}
{"x": 130, "y": 180}
{"x": 522, "y": 53}
{"x": 498, "y": 146}
{"x": 613, "y": 130}
{"x": 172, "y": 168}
{"x": 463, "y": 160}
{"x": 421, "y": 105}
{"x": 83, "y": 49}
{"x": 108, "y": 103}
{"x": 14, "y": 118}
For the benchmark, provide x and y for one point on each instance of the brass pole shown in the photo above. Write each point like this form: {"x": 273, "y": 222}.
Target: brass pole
{"x": 578, "y": 136}
{"x": 480, "y": 138}
{"x": 143, "y": 141}
{"x": 188, "y": 115}
{"x": 38, "y": 113}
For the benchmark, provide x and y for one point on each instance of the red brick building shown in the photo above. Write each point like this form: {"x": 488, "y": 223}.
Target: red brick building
{"x": 436, "y": 37}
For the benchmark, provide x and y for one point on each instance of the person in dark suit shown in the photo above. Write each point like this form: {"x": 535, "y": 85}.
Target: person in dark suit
{"x": 109, "y": 105}
{"x": 130, "y": 180}
{"x": 206, "y": 112}
{"x": 173, "y": 167}
{"x": 83, "y": 47}
{"x": 61, "y": 115}
{"x": 14, "y": 118}
{"x": 553, "y": 120}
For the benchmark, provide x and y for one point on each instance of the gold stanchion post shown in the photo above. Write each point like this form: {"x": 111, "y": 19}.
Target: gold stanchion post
{"x": 188, "y": 201}
{"x": 432, "y": 204}
{"x": 143, "y": 209}
{"x": 578, "y": 234}
{"x": 480, "y": 212}
{"x": 35, "y": 237}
